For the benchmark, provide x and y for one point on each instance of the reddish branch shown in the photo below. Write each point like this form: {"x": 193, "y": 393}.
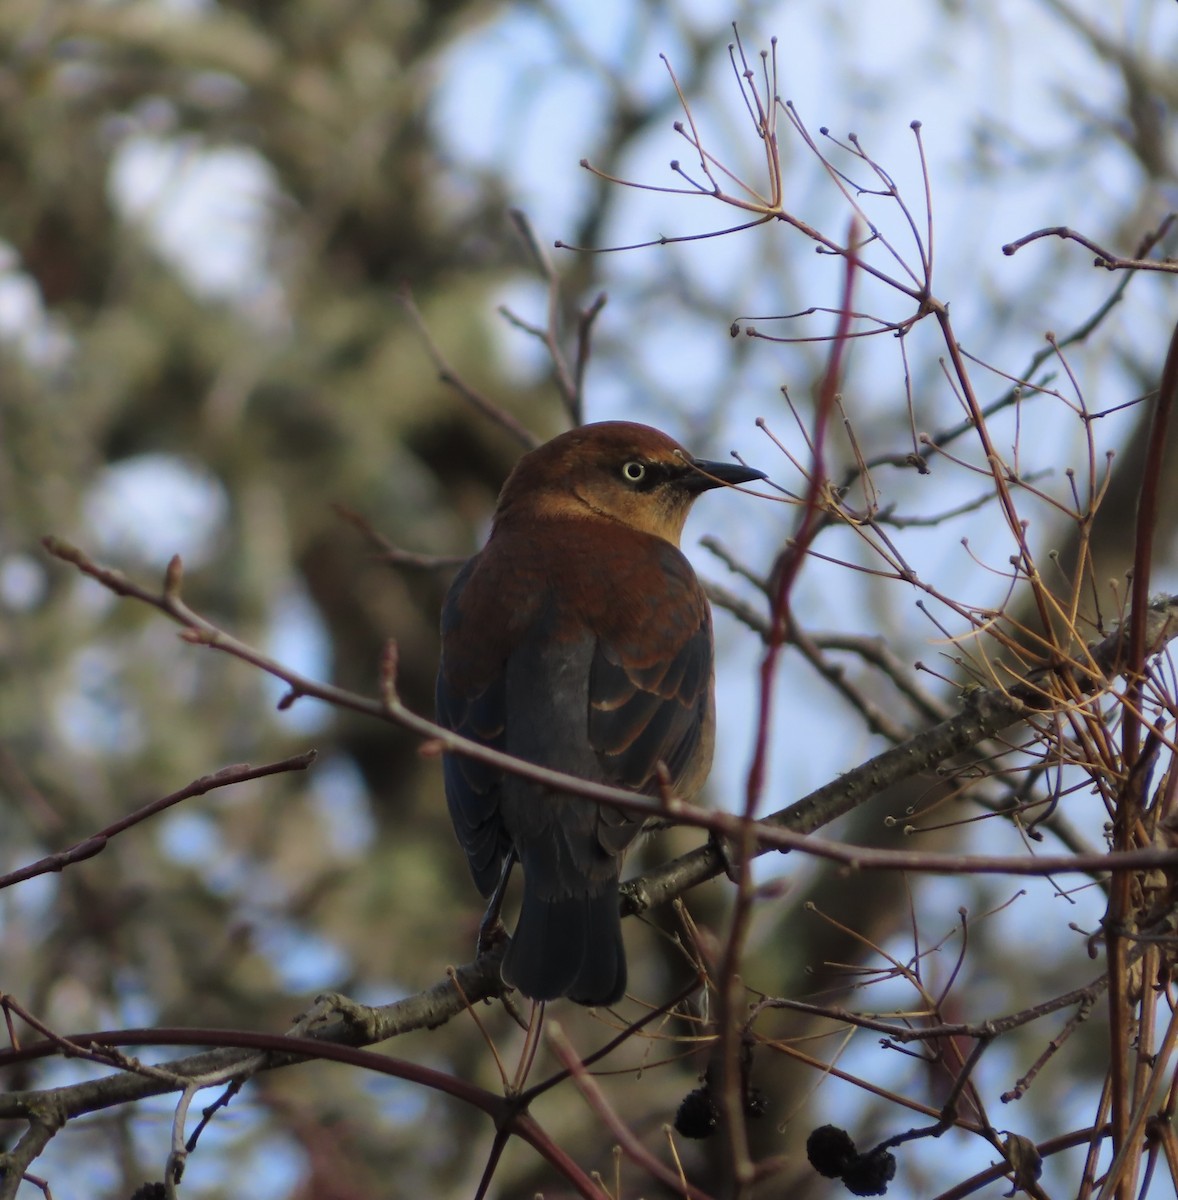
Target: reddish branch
{"x": 1130, "y": 801}
{"x": 1104, "y": 258}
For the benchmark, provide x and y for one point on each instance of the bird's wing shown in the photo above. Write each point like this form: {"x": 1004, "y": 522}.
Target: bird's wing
{"x": 472, "y": 703}
{"x": 600, "y": 673}
{"x": 650, "y": 683}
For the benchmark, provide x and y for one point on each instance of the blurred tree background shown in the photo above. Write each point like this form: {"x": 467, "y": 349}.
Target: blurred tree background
{"x": 209, "y": 213}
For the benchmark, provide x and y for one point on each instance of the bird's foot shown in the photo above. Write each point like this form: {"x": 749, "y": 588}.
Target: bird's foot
{"x": 492, "y": 936}
{"x": 723, "y": 851}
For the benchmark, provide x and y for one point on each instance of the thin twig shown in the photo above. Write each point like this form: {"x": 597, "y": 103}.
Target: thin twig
{"x": 97, "y": 842}
{"x": 446, "y": 373}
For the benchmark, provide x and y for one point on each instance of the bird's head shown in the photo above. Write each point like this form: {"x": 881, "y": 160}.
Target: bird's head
{"x": 619, "y": 471}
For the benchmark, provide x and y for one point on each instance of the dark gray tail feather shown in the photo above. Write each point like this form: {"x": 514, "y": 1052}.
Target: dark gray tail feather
{"x": 571, "y": 947}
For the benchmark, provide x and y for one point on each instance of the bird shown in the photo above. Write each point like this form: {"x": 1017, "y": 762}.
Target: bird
{"x": 578, "y": 639}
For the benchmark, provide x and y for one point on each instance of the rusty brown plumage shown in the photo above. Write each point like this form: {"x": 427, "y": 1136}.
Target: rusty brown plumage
{"x": 579, "y": 639}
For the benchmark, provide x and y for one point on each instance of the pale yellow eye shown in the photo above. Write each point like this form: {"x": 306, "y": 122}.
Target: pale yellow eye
{"x": 634, "y": 472}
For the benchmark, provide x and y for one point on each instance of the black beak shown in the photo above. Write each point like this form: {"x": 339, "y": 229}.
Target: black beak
{"x": 717, "y": 474}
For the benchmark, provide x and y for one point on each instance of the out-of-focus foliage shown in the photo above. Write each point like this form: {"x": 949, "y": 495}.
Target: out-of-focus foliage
{"x": 208, "y": 215}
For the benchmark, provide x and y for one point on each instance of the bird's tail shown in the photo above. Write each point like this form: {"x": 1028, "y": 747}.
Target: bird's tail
{"x": 569, "y": 946}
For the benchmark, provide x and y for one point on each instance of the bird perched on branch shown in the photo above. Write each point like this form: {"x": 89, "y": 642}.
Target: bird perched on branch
{"x": 578, "y": 639}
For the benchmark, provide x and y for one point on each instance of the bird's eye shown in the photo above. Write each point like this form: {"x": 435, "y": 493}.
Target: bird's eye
{"x": 634, "y": 472}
